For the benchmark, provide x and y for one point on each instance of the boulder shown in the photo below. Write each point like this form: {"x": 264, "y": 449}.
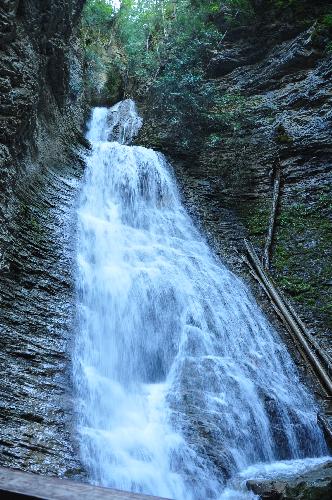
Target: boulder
{"x": 315, "y": 484}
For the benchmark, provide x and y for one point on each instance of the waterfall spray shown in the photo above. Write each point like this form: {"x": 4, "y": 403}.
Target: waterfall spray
{"x": 181, "y": 381}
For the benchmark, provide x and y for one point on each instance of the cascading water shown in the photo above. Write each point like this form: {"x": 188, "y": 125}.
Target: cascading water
{"x": 181, "y": 381}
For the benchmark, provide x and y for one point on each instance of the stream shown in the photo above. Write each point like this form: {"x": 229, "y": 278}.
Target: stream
{"x": 184, "y": 389}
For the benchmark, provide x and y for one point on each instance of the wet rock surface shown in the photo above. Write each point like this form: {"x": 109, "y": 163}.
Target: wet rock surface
{"x": 36, "y": 329}
{"x": 288, "y": 114}
{"x": 41, "y": 117}
{"x": 285, "y": 82}
{"x": 313, "y": 485}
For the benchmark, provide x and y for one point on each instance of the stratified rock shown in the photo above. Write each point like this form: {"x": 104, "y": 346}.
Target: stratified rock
{"x": 276, "y": 73}
{"x": 41, "y": 118}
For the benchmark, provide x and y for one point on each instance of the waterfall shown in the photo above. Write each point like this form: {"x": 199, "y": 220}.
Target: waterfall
{"x": 181, "y": 381}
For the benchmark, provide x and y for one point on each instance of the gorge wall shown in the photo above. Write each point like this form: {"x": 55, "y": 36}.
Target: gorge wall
{"x": 273, "y": 73}
{"x": 42, "y": 115}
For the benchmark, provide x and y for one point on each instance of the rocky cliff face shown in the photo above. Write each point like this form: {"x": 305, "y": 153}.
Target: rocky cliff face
{"x": 274, "y": 73}
{"x": 279, "y": 72}
{"x": 41, "y": 117}
{"x": 285, "y": 82}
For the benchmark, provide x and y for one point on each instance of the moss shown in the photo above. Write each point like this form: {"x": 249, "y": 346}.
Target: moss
{"x": 284, "y": 139}
{"x": 294, "y": 285}
{"x": 328, "y": 48}
{"x": 213, "y": 140}
{"x": 258, "y": 220}
{"x": 326, "y": 311}
{"x": 34, "y": 224}
{"x": 256, "y": 217}
{"x": 74, "y": 472}
{"x": 227, "y": 110}
{"x": 323, "y": 32}
{"x": 327, "y": 21}
{"x": 302, "y": 261}
{"x": 24, "y": 209}
{"x": 30, "y": 222}
{"x": 281, "y": 258}
{"x": 302, "y": 257}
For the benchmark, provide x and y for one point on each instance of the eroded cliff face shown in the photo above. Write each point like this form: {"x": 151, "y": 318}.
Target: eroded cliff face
{"x": 285, "y": 84}
{"x": 275, "y": 72}
{"x": 41, "y": 119}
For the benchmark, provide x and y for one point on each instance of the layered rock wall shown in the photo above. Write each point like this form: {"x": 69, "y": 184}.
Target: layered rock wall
{"x": 274, "y": 73}
{"x": 41, "y": 121}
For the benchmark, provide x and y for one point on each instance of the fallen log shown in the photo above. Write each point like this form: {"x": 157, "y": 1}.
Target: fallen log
{"x": 304, "y": 341}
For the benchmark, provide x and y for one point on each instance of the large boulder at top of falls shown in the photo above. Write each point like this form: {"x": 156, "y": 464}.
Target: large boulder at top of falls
{"x": 315, "y": 484}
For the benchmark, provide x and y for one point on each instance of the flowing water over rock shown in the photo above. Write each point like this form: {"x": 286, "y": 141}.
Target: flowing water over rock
{"x": 181, "y": 381}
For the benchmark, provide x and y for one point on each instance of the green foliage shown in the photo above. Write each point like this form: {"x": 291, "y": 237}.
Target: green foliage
{"x": 158, "y": 36}
{"x": 158, "y": 50}
{"x": 165, "y": 54}
{"x": 327, "y": 21}
{"x": 113, "y": 84}
{"x": 285, "y": 3}
{"x": 238, "y": 11}
{"x": 96, "y": 35}
{"x": 97, "y": 19}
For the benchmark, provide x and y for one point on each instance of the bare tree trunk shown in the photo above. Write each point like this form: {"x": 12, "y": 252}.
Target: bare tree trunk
{"x": 273, "y": 216}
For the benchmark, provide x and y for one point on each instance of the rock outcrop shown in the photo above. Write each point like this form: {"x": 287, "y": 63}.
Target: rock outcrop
{"x": 315, "y": 484}
{"x": 286, "y": 108}
{"x": 41, "y": 118}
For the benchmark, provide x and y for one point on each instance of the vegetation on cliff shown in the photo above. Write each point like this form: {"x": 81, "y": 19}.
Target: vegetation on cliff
{"x": 97, "y": 24}
{"x": 165, "y": 54}
{"x": 225, "y": 86}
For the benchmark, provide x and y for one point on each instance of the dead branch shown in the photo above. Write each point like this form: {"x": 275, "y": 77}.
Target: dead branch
{"x": 273, "y": 217}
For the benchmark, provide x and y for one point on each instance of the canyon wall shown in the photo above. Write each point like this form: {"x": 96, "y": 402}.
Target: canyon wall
{"x": 41, "y": 121}
{"x": 272, "y": 74}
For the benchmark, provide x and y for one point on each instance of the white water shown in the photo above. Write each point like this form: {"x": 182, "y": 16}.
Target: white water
{"x": 182, "y": 383}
